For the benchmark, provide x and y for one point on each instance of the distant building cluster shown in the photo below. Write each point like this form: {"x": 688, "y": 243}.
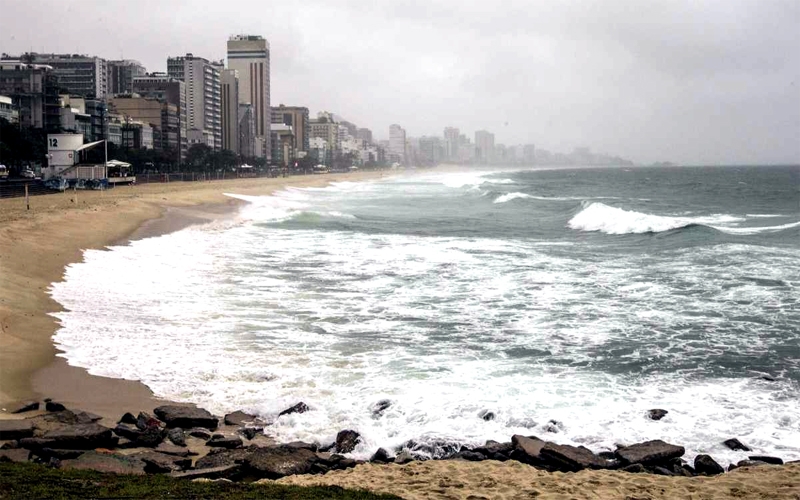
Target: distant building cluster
{"x": 198, "y": 101}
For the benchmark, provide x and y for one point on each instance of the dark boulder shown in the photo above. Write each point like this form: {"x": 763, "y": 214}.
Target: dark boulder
{"x": 471, "y": 456}
{"x": 150, "y": 437}
{"x": 10, "y": 445}
{"x": 381, "y": 456}
{"x": 749, "y": 463}
{"x": 251, "y": 432}
{"x": 568, "y": 458}
{"x": 155, "y": 463}
{"x": 554, "y": 427}
{"x": 707, "y": 466}
{"x": 767, "y": 378}
{"x": 403, "y": 457}
{"x": 436, "y": 449}
{"x": 221, "y": 457}
{"x": 656, "y": 414}
{"x": 15, "y": 429}
{"x": 274, "y": 463}
{"x": 239, "y": 418}
{"x": 634, "y": 468}
{"x": 736, "y": 445}
{"x": 85, "y": 417}
{"x": 81, "y": 437}
{"x": 649, "y": 453}
{"x": 298, "y": 408}
{"x": 380, "y": 407}
{"x": 105, "y": 462}
{"x": 186, "y": 417}
{"x": 661, "y": 471}
{"x": 301, "y": 445}
{"x": 766, "y": 459}
{"x": 493, "y": 450}
{"x": 199, "y": 432}
{"x": 18, "y": 455}
{"x": 228, "y": 442}
{"x": 527, "y": 450}
{"x": 53, "y": 406}
{"x": 26, "y": 407}
{"x": 176, "y": 436}
{"x": 127, "y": 432}
{"x": 127, "y": 418}
{"x": 146, "y": 421}
{"x": 486, "y": 415}
{"x": 347, "y": 440}
{"x": 171, "y": 449}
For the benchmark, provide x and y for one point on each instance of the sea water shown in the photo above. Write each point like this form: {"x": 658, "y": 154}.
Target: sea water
{"x": 567, "y": 302}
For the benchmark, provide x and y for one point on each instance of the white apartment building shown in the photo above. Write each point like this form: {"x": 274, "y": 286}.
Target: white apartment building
{"x": 249, "y": 55}
{"x": 397, "y": 143}
{"x": 203, "y": 97}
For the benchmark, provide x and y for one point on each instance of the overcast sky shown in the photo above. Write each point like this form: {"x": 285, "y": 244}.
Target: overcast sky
{"x": 687, "y": 81}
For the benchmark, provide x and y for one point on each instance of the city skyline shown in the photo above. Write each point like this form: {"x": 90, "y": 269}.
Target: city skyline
{"x": 698, "y": 85}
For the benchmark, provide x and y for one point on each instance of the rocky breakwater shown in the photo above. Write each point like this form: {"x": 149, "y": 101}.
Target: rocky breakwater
{"x": 191, "y": 443}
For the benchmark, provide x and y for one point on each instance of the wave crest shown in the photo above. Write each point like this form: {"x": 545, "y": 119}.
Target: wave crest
{"x": 510, "y": 196}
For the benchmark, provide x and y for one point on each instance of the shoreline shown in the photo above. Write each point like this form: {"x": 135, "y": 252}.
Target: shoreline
{"x": 36, "y": 246}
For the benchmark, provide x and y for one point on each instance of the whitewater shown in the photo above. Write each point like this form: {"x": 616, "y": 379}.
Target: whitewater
{"x": 565, "y": 302}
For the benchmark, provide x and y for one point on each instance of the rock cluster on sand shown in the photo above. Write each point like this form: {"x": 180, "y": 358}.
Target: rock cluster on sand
{"x": 239, "y": 450}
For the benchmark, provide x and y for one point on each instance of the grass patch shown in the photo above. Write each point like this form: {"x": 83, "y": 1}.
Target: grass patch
{"x": 31, "y": 481}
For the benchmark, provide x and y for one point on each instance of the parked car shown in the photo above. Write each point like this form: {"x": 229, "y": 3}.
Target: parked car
{"x": 3, "y": 172}
{"x": 28, "y": 174}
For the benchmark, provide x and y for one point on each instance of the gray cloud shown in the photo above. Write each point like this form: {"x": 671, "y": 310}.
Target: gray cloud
{"x": 694, "y": 82}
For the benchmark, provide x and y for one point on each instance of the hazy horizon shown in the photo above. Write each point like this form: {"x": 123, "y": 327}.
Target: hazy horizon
{"x": 691, "y": 83}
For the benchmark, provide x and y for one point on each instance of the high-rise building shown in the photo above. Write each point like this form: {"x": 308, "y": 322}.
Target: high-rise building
{"x": 324, "y": 127}
{"x": 203, "y": 98}
{"x": 484, "y": 146}
{"x": 430, "y": 150}
{"x": 365, "y": 135}
{"x": 529, "y": 154}
{"x": 230, "y": 110}
{"x": 170, "y": 90}
{"x": 79, "y": 75}
{"x": 249, "y": 55}
{"x": 160, "y": 115}
{"x": 397, "y": 144}
{"x": 121, "y": 74}
{"x": 33, "y": 90}
{"x": 451, "y": 143}
{"x": 247, "y": 131}
{"x": 297, "y": 118}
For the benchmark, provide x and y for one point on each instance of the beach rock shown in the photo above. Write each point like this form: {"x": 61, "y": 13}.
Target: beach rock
{"x": 10, "y": 445}
{"x": 251, "y": 432}
{"x": 436, "y": 449}
{"x": 486, "y": 415}
{"x": 493, "y": 450}
{"x": 81, "y": 437}
{"x": 227, "y": 442}
{"x": 381, "y": 456}
{"x": 661, "y": 471}
{"x": 568, "y": 458}
{"x": 298, "y": 408}
{"x": 85, "y": 417}
{"x": 127, "y": 418}
{"x": 48, "y": 453}
{"x": 176, "y": 436}
{"x": 767, "y": 378}
{"x": 220, "y": 457}
{"x": 15, "y": 429}
{"x": 239, "y": 418}
{"x": 301, "y": 445}
{"x": 380, "y": 407}
{"x": 736, "y": 445}
{"x": 26, "y": 407}
{"x": 186, "y": 417}
{"x": 171, "y": 449}
{"x": 403, "y": 457}
{"x": 146, "y": 421}
{"x": 527, "y": 450}
{"x": 155, "y": 463}
{"x": 339, "y": 462}
{"x": 347, "y": 440}
{"x": 18, "y": 455}
{"x": 53, "y": 406}
{"x": 213, "y": 473}
{"x": 634, "y": 468}
{"x": 656, "y": 414}
{"x": 554, "y": 427}
{"x": 105, "y": 462}
{"x": 200, "y": 433}
{"x": 749, "y": 463}
{"x": 150, "y": 437}
{"x": 707, "y": 466}
{"x": 471, "y": 456}
{"x": 766, "y": 459}
{"x": 649, "y": 453}
{"x": 274, "y": 463}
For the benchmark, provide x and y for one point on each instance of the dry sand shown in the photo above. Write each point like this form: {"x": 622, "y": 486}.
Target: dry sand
{"x": 456, "y": 479}
{"x": 36, "y": 245}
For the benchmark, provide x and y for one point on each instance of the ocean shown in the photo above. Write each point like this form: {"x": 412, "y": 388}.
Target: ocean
{"x": 566, "y": 302}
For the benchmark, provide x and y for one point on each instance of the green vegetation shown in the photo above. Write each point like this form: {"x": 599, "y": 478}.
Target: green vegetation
{"x": 27, "y": 480}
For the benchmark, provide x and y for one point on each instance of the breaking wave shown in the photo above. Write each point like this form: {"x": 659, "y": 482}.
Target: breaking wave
{"x": 510, "y": 196}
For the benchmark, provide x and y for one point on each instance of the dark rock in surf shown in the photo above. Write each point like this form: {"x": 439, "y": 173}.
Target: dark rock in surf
{"x": 26, "y": 407}
{"x": 493, "y": 450}
{"x": 403, "y": 457}
{"x": 381, "y": 456}
{"x": 486, "y": 415}
{"x": 53, "y": 406}
{"x": 298, "y": 408}
{"x": 146, "y": 421}
{"x": 186, "y": 417}
{"x": 177, "y": 436}
{"x": 568, "y": 458}
{"x": 200, "y": 433}
{"x": 251, "y": 432}
{"x": 224, "y": 442}
{"x": 527, "y": 450}
{"x": 239, "y": 418}
{"x": 707, "y": 466}
{"x": 127, "y": 418}
{"x": 554, "y": 426}
{"x": 750, "y": 463}
{"x": 380, "y": 407}
{"x": 661, "y": 471}
{"x": 767, "y": 378}
{"x": 656, "y": 414}
{"x": 471, "y": 456}
{"x": 274, "y": 463}
{"x": 766, "y": 459}
{"x": 736, "y": 445}
{"x": 649, "y": 452}
{"x": 301, "y": 445}
{"x": 347, "y": 440}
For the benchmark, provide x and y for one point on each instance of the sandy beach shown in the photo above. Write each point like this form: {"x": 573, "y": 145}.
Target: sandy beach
{"x": 36, "y": 245}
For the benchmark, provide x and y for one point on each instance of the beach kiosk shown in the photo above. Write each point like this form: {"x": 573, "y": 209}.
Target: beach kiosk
{"x": 63, "y": 158}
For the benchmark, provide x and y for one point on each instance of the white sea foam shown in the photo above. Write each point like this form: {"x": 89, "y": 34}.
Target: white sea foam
{"x": 511, "y": 196}
{"x": 758, "y": 230}
{"x": 612, "y": 220}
